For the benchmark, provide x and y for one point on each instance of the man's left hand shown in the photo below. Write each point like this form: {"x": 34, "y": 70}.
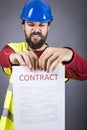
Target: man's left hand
{"x": 53, "y": 56}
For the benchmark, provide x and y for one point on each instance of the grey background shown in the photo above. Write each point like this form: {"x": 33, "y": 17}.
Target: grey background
{"x": 69, "y": 28}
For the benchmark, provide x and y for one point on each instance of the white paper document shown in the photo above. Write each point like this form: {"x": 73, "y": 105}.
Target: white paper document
{"x": 39, "y": 99}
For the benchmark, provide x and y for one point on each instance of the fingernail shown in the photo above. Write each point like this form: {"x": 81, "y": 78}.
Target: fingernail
{"x": 23, "y": 63}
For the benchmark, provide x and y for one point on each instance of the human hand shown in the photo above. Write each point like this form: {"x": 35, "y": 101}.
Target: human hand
{"x": 23, "y": 58}
{"x": 52, "y": 56}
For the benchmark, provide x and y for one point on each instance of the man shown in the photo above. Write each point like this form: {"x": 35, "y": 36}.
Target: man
{"x": 36, "y": 54}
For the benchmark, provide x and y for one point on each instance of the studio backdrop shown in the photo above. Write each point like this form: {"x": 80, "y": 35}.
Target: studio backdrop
{"x": 69, "y": 28}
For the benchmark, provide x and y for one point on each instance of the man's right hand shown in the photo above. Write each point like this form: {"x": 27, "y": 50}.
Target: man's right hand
{"x": 25, "y": 58}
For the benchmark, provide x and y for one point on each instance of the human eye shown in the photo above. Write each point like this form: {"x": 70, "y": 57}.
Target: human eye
{"x": 42, "y": 24}
{"x": 30, "y": 24}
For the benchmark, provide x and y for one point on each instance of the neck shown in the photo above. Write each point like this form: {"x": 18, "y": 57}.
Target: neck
{"x": 40, "y": 49}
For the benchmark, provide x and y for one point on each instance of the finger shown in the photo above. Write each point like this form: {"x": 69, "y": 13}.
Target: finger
{"x": 57, "y": 62}
{"x": 26, "y": 59}
{"x": 17, "y": 59}
{"x": 34, "y": 60}
{"x": 50, "y": 61}
{"x": 30, "y": 59}
{"x": 36, "y": 65}
{"x": 43, "y": 60}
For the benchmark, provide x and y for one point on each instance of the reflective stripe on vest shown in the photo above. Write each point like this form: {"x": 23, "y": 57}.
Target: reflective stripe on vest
{"x": 6, "y": 122}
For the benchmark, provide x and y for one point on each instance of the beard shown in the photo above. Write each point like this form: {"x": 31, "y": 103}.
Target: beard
{"x": 36, "y": 44}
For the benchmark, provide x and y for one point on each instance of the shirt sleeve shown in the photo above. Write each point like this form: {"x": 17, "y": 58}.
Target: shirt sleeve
{"x": 4, "y": 56}
{"x": 77, "y": 68}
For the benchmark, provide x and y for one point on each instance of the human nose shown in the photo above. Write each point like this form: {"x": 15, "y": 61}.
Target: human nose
{"x": 36, "y": 29}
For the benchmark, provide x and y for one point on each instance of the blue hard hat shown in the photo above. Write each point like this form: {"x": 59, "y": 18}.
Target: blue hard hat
{"x": 36, "y": 11}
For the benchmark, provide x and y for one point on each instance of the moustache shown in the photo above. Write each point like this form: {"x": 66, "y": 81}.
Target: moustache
{"x": 36, "y": 33}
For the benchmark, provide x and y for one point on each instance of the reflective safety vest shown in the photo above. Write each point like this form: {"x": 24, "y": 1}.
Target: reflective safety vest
{"x": 6, "y": 121}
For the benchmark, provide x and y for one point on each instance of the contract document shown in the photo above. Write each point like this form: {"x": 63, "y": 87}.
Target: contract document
{"x": 39, "y": 99}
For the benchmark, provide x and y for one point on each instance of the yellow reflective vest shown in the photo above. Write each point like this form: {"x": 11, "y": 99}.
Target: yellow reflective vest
{"x": 7, "y": 120}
